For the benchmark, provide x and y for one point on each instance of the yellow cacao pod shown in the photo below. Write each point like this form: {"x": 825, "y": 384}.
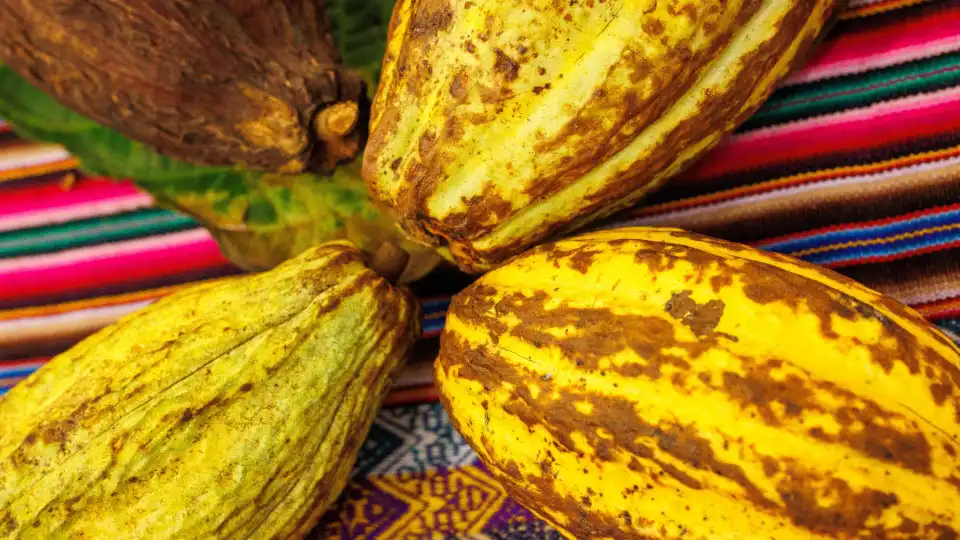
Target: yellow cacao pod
{"x": 498, "y": 124}
{"x": 228, "y": 410}
{"x": 651, "y": 383}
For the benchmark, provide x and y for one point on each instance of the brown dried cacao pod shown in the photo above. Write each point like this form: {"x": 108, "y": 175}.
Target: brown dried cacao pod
{"x": 210, "y": 82}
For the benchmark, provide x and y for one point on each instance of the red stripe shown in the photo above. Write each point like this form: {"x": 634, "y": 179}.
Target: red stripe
{"x": 932, "y": 313}
{"x": 895, "y": 256}
{"x": 924, "y": 26}
{"x": 410, "y": 396}
{"x": 820, "y": 137}
{"x": 36, "y": 361}
{"x": 950, "y": 313}
{"x": 112, "y": 270}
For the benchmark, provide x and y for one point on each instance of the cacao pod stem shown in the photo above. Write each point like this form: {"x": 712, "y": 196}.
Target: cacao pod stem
{"x": 390, "y": 261}
{"x": 334, "y": 127}
{"x": 337, "y": 120}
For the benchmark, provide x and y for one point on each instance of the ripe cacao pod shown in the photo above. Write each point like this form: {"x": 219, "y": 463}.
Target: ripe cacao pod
{"x": 651, "y": 383}
{"x": 499, "y": 124}
{"x": 209, "y": 82}
{"x": 231, "y": 410}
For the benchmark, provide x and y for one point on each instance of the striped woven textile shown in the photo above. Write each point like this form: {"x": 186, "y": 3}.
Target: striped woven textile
{"x": 854, "y": 164}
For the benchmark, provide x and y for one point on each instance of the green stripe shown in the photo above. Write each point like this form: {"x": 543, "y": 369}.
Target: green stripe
{"x": 952, "y": 326}
{"x": 88, "y": 232}
{"x": 833, "y": 95}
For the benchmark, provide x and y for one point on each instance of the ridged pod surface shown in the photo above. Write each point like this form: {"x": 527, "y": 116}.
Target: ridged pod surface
{"x": 498, "y": 124}
{"x": 651, "y": 383}
{"x": 228, "y": 410}
{"x": 211, "y": 82}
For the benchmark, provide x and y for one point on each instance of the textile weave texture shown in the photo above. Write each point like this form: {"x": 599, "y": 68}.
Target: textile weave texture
{"x": 853, "y": 164}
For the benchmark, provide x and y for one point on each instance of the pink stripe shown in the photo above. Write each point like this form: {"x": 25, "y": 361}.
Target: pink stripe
{"x": 927, "y": 35}
{"x": 921, "y": 105}
{"x": 50, "y": 204}
{"x": 49, "y": 195}
{"x": 75, "y": 212}
{"x": 85, "y": 268}
{"x": 878, "y": 124}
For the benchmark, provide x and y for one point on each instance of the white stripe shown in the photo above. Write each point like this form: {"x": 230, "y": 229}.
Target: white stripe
{"x": 80, "y": 321}
{"x": 103, "y": 251}
{"x": 19, "y": 157}
{"x": 76, "y": 211}
{"x": 877, "y": 61}
{"x": 782, "y": 193}
{"x": 926, "y": 297}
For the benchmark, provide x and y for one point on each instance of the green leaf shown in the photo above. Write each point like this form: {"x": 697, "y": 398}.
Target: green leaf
{"x": 360, "y": 30}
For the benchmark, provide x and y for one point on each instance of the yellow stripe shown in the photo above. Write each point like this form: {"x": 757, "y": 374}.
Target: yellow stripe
{"x": 880, "y": 7}
{"x": 38, "y": 170}
{"x": 875, "y": 241}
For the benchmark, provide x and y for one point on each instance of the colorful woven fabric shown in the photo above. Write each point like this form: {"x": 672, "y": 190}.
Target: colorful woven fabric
{"x": 853, "y": 164}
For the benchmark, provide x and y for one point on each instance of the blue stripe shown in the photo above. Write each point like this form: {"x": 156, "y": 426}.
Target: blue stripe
{"x": 433, "y": 325}
{"x": 17, "y": 371}
{"x": 867, "y": 233}
{"x": 439, "y": 304}
{"x": 883, "y": 250}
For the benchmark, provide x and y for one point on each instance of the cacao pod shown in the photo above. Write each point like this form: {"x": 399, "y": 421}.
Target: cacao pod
{"x": 499, "y": 124}
{"x": 229, "y": 410}
{"x": 209, "y": 82}
{"x": 651, "y": 383}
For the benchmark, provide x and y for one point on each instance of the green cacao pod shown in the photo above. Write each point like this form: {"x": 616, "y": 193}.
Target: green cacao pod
{"x": 232, "y": 410}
